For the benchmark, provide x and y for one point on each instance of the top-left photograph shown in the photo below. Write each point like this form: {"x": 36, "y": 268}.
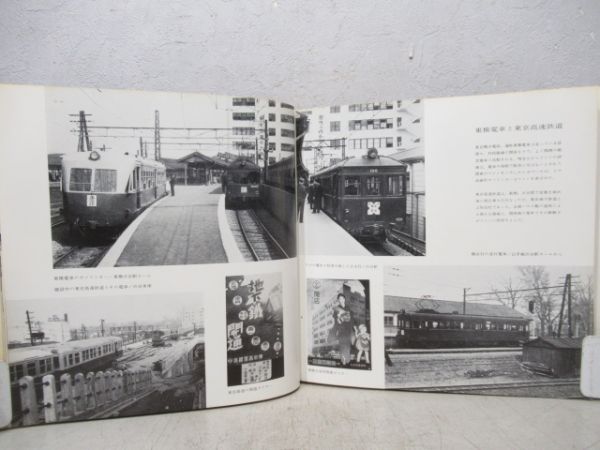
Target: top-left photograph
{"x": 152, "y": 179}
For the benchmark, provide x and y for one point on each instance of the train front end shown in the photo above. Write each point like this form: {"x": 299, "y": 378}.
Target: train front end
{"x": 96, "y": 190}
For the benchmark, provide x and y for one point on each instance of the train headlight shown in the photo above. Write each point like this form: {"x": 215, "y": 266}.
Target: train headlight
{"x": 346, "y": 211}
{"x": 94, "y": 155}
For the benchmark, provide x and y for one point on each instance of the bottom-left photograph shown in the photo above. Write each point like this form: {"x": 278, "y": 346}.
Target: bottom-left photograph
{"x": 91, "y": 358}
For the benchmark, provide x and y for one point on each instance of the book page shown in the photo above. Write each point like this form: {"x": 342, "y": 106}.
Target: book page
{"x": 148, "y": 251}
{"x": 449, "y": 244}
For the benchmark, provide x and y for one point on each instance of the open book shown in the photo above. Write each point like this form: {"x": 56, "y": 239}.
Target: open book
{"x": 167, "y": 252}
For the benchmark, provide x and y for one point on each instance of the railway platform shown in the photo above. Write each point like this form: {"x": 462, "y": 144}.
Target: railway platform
{"x": 180, "y": 229}
{"x": 322, "y": 236}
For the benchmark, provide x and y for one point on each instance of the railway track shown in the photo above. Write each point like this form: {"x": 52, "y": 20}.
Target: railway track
{"x": 465, "y": 388}
{"x": 81, "y": 257}
{"x": 413, "y": 245}
{"x": 262, "y": 245}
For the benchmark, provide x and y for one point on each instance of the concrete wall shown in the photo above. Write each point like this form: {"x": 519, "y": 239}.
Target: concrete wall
{"x": 310, "y": 53}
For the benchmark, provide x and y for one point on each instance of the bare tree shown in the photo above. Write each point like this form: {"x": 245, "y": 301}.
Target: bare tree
{"x": 583, "y": 300}
{"x": 545, "y": 306}
{"x": 509, "y": 293}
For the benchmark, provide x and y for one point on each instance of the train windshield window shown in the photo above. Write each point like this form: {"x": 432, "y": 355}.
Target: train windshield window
{"x": 105, "y": 180}
{"x": 351, "y": 185}
{"x": 373, "y": 185}
{"x": 395, "y": 185}
{"x": 80, "y": 180}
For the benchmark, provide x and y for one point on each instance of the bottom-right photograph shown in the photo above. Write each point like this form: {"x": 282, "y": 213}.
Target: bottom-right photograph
{"x": 497, "y": 330}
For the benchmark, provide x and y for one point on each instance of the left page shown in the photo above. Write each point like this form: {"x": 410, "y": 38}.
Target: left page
{"x": 148, "y": 252}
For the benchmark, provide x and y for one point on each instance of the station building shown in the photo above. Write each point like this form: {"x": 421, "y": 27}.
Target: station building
{"x": 195, "y": 168}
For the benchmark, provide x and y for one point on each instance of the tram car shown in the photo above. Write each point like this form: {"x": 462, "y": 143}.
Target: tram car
{"x": 365, "y": 195}
{"x": 442, "y": 325}
{"x": 109, "y": 189}
{"x": 87, "y": 355}
{"x": 241, "y": 182}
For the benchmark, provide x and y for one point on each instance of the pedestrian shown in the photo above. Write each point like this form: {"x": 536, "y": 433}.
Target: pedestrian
{"x": 301, "y": 197}
{"x": 311, "y": 193}
{"x": 317, "y": 196}
{"x": 172, "y": 184}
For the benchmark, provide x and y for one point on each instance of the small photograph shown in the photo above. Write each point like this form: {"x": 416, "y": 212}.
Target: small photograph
{"x": 362, "y": 183}
{"x": 82, "y": 359}
{"x": 487, "y": 330}
{"x": 254, "y": 328}
{"x": 152, "y": 179}
{"x": 340, "y": 325}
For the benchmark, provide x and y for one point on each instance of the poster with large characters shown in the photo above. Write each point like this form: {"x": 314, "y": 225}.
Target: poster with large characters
{"x": 254, "y": 328}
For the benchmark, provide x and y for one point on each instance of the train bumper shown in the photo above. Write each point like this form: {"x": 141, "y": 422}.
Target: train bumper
{"x": 375, "y": 231}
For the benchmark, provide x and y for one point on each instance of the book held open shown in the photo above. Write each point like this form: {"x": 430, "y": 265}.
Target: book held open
{"x": 168, "y": 252}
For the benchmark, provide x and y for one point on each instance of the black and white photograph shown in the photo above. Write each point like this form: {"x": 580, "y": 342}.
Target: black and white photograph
{"x": 340, "y": 324}
{"x": 255, "y": 351}
{"x": 496, "y": 330}
{"x": 362, "y": 186}
{"x": 81, "y": 359}
{"x": 152, "y": 179}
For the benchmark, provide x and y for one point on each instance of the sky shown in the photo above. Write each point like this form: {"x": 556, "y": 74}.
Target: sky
{"x": 447, "y": 283}
{"x": 136, "y": 108}
{"x": 114, "y": 310}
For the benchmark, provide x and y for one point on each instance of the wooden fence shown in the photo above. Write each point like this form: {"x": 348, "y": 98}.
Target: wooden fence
{"x": 80, "y": 396}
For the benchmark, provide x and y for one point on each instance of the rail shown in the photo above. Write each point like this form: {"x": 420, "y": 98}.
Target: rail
{"x": 81, "y": 396}
{"x": 266, "y": 239}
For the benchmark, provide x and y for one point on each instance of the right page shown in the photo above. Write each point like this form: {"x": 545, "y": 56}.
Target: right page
{"x": 449, "y": 244}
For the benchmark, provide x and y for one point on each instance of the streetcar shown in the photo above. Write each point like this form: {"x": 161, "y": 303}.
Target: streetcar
{"x": 365, "y": 195}
{"x": 241, "y": 182}
{"x": 419, "y": 323}
{"x": 108, "y": 189}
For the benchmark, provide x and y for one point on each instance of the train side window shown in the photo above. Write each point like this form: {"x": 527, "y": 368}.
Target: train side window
{"x": 70, "y": 359}
{"x": 55, "y": 362}
{"x": 43, "y": 368}
{"x": 80, "y": 180}
{"x": 351, "y": 185}
{"x": 31, "y": 370}
{"x": 373, "y": 185}
{"x": 105, "y": 180}
{"x": 13, "y": 374}
{"x": 19, "y": 371}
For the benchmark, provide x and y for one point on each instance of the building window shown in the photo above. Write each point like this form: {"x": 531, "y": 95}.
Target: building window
{"x": 243, "y": 131}
{"x": 244, "y": 145}
{"x": 287, "y": 118}
{"x": 272, "y": 132}
{"x": 288, "y": 133}
{"x": 243, "y": 101}
{"x": 272, "y": 146}
{"x": 334, "y": 126}
{"x": 389, "y": 142}
{"x": 388, "y": 321}
{"x": 287, "y": 147}
{"x": 334, "y": 109}
{"x": 272, "y": 117}
{"x": 399, "y": 141}
{"x": 271, "y": 103}
{"x": 287, "y": 106}
{"x": 398, "y": 122}
{"x": 243, "y": 116}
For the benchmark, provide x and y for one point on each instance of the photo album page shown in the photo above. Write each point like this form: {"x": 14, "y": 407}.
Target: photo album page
{"x": 448, "y": 245}
{"x": 148, "y": 252}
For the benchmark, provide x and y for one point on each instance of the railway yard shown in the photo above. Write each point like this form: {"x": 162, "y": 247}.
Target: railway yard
{"x": 493, "y": 371}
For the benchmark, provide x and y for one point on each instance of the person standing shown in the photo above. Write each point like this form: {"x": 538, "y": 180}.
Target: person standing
{"x": 317, "y": 196}
{"x": 301, "y": 197}
{"x": 311, "y": 193}
{"x": 172, "y": 184}
{"x": 344, "y": 329}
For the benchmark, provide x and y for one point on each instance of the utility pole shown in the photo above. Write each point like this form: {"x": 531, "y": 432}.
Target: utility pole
{"x": 266, "y": 149}
{"x": 562, "y": 305}
{"x": 343, "y": 149}
{"x": 134, "y": 331}
{"x": 102, "y": 327}
{"x": 157, "y": 155}
{"x": 29, "y": 317}
{"x": 141, "y": 147}
{"x": 84, "y": 143}
{"x": 465, "y": 301}
{"x": 569, "y": 303}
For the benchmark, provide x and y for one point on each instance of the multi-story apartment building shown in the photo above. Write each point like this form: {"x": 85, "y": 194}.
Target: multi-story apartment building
{"x": 255, "y": 121}
{"x": 394, "y": 128}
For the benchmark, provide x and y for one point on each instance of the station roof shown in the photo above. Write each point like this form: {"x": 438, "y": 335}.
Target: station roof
{"x": 415, "y": 305}
{"x": 196, "y": 157}
{"x": 561, "y": 343}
